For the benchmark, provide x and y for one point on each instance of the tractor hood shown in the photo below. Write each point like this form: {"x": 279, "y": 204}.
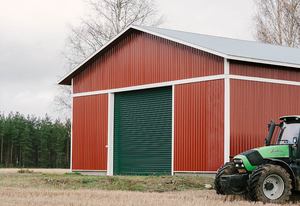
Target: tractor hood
{"x": 254, "y": 157}
{"x": 274, "y": 151}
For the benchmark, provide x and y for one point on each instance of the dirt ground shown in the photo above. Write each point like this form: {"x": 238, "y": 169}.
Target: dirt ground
{"x": 30, "y": 189}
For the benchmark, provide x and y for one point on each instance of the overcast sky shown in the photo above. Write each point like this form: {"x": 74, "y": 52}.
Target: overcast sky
{"x": 33, "y": 32}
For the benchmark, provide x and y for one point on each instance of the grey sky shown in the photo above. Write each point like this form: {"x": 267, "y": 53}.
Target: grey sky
{"x": 32, "y": 35}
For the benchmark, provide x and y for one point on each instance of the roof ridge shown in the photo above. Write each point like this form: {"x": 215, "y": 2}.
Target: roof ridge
{"x": 217, "y": 36}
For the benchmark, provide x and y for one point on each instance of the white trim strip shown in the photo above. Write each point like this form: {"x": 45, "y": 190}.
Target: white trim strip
{"x": 266, "y": 80}
{"x": 148, "y": 86}
{"x": 187, "y": 81}
{"x": 173, "y": 121}
{"x": 82, "y": 170}
{"x": 71, "y": 142}
{"x": 110, "y": 135}
{"x": 226, "y": 112}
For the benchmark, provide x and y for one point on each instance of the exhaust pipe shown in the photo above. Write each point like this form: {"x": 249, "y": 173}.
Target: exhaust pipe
{"x": 271, "y": 127}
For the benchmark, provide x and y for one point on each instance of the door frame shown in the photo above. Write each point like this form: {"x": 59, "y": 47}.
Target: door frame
{"x": 110, "y": 135}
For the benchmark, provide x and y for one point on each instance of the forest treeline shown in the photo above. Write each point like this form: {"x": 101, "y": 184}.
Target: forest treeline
{"x": 34, "y": 142}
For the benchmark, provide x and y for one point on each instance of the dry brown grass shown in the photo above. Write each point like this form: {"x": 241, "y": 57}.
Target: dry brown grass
{"x": 39, "y": 170}
{"x": 30, "y": 189}
{"x": 55, "y": 197}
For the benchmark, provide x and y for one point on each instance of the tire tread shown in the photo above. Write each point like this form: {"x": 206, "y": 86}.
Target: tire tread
{"x": 256, "y": 180}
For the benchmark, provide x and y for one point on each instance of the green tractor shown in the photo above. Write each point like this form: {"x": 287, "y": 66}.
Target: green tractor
{"x": 269, "y": 174}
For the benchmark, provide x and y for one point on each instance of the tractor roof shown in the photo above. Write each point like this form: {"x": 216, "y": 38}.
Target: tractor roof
{"x": 290, "y": 118}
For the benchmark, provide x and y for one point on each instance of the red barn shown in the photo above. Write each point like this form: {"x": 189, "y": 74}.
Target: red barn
{"x": 158, "y": 101}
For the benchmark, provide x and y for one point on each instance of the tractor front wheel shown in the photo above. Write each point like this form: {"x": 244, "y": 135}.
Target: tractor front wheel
{"x": 270, "y": 184}
{"x": 226, "y": 169}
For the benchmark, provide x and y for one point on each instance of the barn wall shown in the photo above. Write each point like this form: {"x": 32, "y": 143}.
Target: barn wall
{"x": 264, "y": 70}
{"x": 199, "y": 126}
{"x": 89, "y": 135}
{"x": 141, "y": 58}
{"x": 253, "y": 105}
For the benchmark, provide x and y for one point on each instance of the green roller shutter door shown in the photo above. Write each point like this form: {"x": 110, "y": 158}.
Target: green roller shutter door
{"x": 143, "y": 132}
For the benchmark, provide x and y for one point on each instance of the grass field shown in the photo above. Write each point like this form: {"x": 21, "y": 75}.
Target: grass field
{"x": 54, "y": 187}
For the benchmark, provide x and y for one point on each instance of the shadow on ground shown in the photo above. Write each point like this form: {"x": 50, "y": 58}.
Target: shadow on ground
{"x": 295, "y": 198}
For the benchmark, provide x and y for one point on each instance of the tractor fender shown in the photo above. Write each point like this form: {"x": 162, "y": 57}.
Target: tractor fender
{"x": 285, "y": 166}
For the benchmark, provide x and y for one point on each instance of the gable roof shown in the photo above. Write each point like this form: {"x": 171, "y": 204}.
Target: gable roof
{"x": 234, "y": 49}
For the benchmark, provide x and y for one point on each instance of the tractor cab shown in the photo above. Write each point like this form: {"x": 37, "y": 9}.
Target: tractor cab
{"x": 269, "y": 173}
{"x": 289, "y": 130}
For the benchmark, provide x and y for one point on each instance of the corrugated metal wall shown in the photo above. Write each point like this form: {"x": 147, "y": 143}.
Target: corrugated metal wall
{"x": 90, "y": 115}
{"x": 141, "y": 58}
{"x": 264, "y": 70}
{"x": 199, "y": 126}
{"x": 253, "y": 105}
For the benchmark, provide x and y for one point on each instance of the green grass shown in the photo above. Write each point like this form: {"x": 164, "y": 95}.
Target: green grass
{"x": 127, "y": 183}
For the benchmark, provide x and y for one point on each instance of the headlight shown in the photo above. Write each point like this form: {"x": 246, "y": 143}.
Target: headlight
{"x": 238, "y": 161}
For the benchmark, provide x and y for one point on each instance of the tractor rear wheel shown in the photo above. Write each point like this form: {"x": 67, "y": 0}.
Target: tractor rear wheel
{"x": 270, "y": 184}
{"x": 227, "y": 169}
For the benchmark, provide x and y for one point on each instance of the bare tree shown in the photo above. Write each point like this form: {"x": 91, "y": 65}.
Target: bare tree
{"x": 278, "y": 22}
{"x": 107, "y": 19}
{"x": 62, "y": 102}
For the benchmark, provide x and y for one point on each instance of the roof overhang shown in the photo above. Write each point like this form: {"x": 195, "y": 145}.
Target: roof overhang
{"x": 67, "y": 79}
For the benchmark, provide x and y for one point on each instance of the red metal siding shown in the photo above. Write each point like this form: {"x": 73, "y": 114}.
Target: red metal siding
{"x": 264, "y": 70}
{"x": 199, "y": 126}
{"x": 253, "y": 105}
{"x": 90, "y": 132}
{"x": 141, "y": 58}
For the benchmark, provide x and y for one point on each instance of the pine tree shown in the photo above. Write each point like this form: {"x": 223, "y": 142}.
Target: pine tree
{"x": 33, "y": 142}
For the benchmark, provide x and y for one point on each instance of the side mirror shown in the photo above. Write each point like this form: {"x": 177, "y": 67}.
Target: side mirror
{"x": 295, "y": 140}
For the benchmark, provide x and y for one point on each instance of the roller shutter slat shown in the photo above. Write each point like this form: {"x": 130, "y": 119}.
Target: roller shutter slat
{"x": 143, "y": 132}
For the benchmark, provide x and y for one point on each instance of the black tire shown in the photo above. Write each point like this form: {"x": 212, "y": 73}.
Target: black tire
{"x": 256, "y": 185}
{"x": 227, "y": 169}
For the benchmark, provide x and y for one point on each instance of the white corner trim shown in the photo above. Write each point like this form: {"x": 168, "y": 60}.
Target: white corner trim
{"x": 110, "y": 135}
{"x": 226, "y": 67}
{"x": 266, "y": 80}
{"x": 226, "y": 111}
{"x": 173, "y": 128}
{"x": 71, "y": 142}
{"x": 155, "y": 85}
